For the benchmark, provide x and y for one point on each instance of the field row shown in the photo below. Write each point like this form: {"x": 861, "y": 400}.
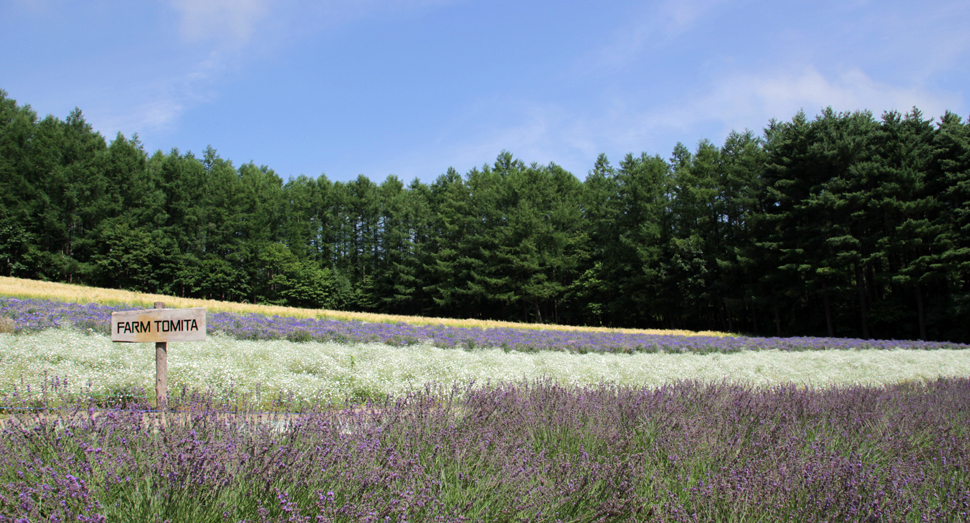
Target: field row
{"x": 314, "y": 370}
{"x": 36, "y": 315}
{"x": 536, "y": 452}
{"x": 24, "y": 289}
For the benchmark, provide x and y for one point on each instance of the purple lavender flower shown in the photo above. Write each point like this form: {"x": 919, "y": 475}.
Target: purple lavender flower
{"x": 534, "y": 451}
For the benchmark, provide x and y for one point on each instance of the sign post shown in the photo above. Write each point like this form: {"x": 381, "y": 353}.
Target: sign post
{"x": 161, "y": 370}
{"x": 160, "y": 325}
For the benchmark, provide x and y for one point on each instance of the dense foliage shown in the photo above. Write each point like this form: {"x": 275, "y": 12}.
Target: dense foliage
{"x": 528, "y": 452}
{"x": 845, "y": 225}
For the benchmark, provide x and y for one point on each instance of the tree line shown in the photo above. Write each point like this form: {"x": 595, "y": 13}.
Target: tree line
{"x": 841, "y": 225}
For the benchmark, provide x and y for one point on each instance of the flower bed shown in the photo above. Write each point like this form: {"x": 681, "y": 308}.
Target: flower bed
{"x": 517, "y": 452}
{"x": 33, "y": 315}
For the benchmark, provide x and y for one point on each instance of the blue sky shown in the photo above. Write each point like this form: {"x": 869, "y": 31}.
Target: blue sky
{"x": 412, "y": 87}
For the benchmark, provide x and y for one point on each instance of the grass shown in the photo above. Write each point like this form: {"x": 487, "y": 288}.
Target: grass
{"x": 21, "y": 288}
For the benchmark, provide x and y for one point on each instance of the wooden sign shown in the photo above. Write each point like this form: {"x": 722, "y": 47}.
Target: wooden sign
{"x": 158, "y": 325}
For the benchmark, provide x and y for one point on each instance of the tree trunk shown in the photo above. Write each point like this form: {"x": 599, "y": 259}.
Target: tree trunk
{"x": 863, "y": 309}
{"x": 777, "y": 321}
{"x": 777, "y": 313}
{"x": 754, "y": 318}
{"x": 921, "y": 311}
{"x": 828, "y": 313}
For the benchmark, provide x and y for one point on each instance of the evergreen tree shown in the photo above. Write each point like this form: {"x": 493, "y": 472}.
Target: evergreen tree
{"x": 448, "y": 277}
{"x": 594, "y": 290}
{"x": 950, "y": 182}
{"x": 20, "y": 252}
{"x": 742, "y": 161}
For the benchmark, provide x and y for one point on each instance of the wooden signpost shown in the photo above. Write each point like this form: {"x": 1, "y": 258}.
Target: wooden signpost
{"x": 159, "y": 325}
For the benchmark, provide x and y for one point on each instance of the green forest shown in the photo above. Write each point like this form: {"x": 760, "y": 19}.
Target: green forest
{"x": 843, "y": 224}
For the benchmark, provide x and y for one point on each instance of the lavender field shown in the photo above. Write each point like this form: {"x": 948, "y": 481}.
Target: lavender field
{"x": 35, "y": 315}
{"x": 535, "y": 451}
{"x": 284, "y": 419}
{"x": 67, "y": 341}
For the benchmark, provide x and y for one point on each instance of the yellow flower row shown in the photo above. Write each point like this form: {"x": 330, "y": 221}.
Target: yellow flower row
{"x": 22, "y": 288}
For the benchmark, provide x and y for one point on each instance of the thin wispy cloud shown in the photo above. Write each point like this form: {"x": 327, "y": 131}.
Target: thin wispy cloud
{"x": 749, "y": 101}
{"x": 648, "y": 29}
{"x": 851, "y": 90}
{"x": 738, "y": 102}
{"x": 230, "y": 22}
{"x": 543, "y": 133}
{"x": 150, "y": 115}
{"x": 680, "y": 15}
{"x": 412, "y": 87}
{"x": 214, "y": 34}
{"x": 230, "y": 35}
{"x": 797, "y": 69}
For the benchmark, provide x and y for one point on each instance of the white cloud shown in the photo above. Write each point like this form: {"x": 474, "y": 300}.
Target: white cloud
{"x": 750, "y": 99}
{"x": 679, "y": 15}
{"x": 547, "y": 132}
{"x": 226, "y": 36}
{"x": 157, "y": 113}
{"x": 540, "y": 133}
{"x": 158, "y": 104}
{"x": 220, "y": 28}
{"x": 648, "y": 30}
{"x": 234, "y": 23}
{"x": 143, "y": 117}
{"x": 543, "y": 134}
{"x": 229, "y": 21}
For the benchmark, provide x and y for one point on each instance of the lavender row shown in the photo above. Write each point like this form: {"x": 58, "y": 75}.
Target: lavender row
{"x": 41, "y": 314}
{"x": 533, "y": 452}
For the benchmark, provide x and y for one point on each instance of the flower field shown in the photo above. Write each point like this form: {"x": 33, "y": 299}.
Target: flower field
{"x": 35, "y": 315}
{"x": 323, "y": 359}
{"x": 314, "y": 371}
{"x": 537, "y": 452}
{"x": 289, "y": 418}
{"x": 79, "y": 294}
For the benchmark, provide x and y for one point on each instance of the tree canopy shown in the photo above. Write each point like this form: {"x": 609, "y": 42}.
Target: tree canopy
{"x": 842, "y": 225}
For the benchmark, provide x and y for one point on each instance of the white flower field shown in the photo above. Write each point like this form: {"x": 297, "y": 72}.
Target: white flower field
{"x": 312, "y": 370}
